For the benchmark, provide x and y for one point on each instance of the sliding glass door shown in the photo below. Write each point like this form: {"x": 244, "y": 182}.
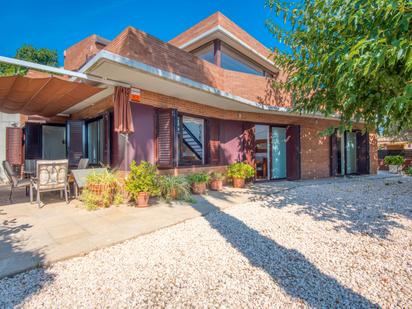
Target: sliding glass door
{"x": 262, "y": 152}
{"x": 351, "y": 167}
{"x": 95, "y": 140}
{"x": 278, "y": 149}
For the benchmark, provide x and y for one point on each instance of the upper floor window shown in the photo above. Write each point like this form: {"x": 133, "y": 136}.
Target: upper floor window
{"x": 191, "y": 138}
{"x": 206, "y": 53}
{"x": 231, "y": 60}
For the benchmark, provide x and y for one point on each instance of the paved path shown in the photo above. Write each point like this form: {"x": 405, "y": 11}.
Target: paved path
{"x": 30, "y": 236}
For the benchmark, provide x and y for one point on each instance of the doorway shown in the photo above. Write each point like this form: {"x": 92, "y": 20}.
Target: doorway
{"x": 278, "y": 149}
{"x": 54, "y": 142}
{"x": 262, "y": 152}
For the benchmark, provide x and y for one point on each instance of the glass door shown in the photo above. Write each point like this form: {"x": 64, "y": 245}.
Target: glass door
{"x": 351, "y": 167}
{"x": 262, "y": 152}
{"x": 278, "y": 149}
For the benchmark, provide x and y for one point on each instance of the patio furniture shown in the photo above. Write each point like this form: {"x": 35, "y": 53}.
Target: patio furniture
{"x": 29, "y": 169}
{"x": 51, "y": 175}
{"x": 83, "y": 164}
{"x": 80, "y": 178}
{"x": 15, "y": 182}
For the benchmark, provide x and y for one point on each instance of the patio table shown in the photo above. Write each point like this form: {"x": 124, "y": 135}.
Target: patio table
{"x": 79, "y": 177}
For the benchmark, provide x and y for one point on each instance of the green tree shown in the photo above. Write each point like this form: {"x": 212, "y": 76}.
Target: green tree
{"x": 32, "y": 54}
{"x": 351, "y": 57}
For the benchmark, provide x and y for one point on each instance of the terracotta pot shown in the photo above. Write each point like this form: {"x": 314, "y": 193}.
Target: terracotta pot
{"x": 216, "y": 185}
{"x": 199, "y": 188}
{"x": 100, "y": 190}
{"x": 238, "y": 182}
{"x": 173, "y": 194}
{"x": 142, "y": 199}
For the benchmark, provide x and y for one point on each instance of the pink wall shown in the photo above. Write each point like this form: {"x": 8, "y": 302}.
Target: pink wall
{"x": 230, "y": 141}
{"x": 141, "y": 142}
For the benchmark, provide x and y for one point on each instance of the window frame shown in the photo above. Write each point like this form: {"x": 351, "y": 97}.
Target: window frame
{"x": 179, "y": 133}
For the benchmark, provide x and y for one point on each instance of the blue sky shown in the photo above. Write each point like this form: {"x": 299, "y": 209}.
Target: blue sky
{"x": 60, "y": 24}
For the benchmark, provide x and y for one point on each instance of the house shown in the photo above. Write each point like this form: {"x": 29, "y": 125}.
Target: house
{"x": 394, "y": 146}
{"x": 201, "y": 101}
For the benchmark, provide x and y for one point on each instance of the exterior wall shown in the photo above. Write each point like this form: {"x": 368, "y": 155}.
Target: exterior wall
{"x": 315, "y": 150}
{"x": 6, "y": 120}
{"x": 78, "y": 54}
{"x": 142, "y": 47}
{"x": 373, "y": 153}
{"x": 140, "y": 144}
{"x": 213, "y": 21}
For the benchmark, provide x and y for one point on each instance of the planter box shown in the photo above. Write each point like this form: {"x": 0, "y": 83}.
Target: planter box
{"x": 394, "y": 169}
{"x": 199, "y": 188}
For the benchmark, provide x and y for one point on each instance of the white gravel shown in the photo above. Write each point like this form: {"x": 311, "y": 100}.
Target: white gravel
{"x": 346, "y": 244}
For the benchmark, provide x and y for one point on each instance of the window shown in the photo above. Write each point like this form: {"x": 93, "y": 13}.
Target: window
{"x": 95, "y": 141}
{"x": 206, "y": 53}
{"x": 231, "y": 60}
{"x": 191, "y": 133}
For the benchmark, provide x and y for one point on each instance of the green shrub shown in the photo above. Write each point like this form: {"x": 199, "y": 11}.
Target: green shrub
{"x": 198, "y": 178}
{"x": 408, "y": 171}
{"x": 217, "y": 176}
{"x": 394, "y": 160}
{"x": 240, "y": 170}
{"x": 142, "y": 178}
{"x": 110, "y": 185}
{"x": 178, "y": 185}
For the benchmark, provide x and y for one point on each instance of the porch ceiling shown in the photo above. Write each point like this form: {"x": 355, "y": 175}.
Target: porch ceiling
{"x": 41, "y": 96}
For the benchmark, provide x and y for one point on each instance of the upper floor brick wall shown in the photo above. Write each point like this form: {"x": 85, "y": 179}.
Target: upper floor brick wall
{"x": 140, "y": 46}
{"x": 80, "y": 53}
{"x": 218, "y": 19}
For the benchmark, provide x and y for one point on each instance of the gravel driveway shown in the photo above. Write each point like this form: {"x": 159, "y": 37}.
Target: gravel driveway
{"x": 344, "y": 244}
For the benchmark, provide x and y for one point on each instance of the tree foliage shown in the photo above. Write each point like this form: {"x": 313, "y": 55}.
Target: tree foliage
{"x": 32, "y": 54}
{"x": 351, "y": 57}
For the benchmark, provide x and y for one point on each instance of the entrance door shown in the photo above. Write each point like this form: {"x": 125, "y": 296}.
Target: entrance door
{"x": 262, "y": 151}
{"x": 351, "y": 164}
{"x": 278, "y": 149}
{"x": 54, "y": 142}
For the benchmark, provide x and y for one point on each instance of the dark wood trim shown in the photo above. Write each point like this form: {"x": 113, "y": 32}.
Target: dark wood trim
{"x": 217, "y": 52}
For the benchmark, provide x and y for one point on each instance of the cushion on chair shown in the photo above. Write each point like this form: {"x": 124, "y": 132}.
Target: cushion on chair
{"x": 23, "y": 182}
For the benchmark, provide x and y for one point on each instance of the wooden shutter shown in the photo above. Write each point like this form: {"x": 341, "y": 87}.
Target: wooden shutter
{"x": 293, "y": 152}
{"x": 33, "y": 141}
{"x": 165, "y": 135}
{"x": 362, "y": 152}
{"x": 106, "y": 159}
{"x": 14, "y": 145}
{"x": 76, "y": 141}
{"x": 248, "y": 143}
{"x": 334, "y": 154}
{"x": 213, "y": 141}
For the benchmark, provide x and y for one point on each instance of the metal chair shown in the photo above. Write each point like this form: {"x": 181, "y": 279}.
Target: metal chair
{"x": 15, "y": 182}
{"x": 83, "y": 164}
{"x": 50, "y": 176}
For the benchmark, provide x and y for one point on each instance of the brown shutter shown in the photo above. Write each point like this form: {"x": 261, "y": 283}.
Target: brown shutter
{"x": 165, "y": 136}
{"x": 213, "y": 141}
{"x": 106, "y": 139}
{"x": 334, "y": 154}
{"x": 362, "y": 152}
{"x": 248, "y": 143}
{"x": 14, "y": 145}
{"x": 76, "y": 141}
{"x": 33, "y": 141}
{"x": 293, "y": 152}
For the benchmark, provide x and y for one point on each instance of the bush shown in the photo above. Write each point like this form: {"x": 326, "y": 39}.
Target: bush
{"x": 240, "y": 170}
{"x": 217, "y": 176}
{"x": 142, "y": 178}
{"x": 101, "y": 190}
{"x": 408, "y": 171}
{"x": 394, "y": 160}
{"x": 174, "y": 187}
{"x": 198, "y": 178}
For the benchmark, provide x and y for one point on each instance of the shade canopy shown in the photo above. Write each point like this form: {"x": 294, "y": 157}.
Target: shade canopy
{"x": 45, "y": 97}
{"x": 123, "y": 122}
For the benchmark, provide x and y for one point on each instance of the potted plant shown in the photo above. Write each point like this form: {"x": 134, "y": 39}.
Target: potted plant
{"x": 216, "y": 181}
{"x": 174, "y": 188}
{"x": 239, "y": 172}
{"x": 394, "y": 163}
{"x": 198, "y": 182}
{"x": 142, "y": 182}
{"x": 101, "y": 190}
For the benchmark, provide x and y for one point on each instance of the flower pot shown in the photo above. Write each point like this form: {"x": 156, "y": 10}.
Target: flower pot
{"x": 103, "y": 191}
{"x": 142, "y": 199}
{"x": 199, "y": 188}
{"x": 238, "y": 182}
{"x": 174, "y": 194}
{"x": 216, "y": 185}
{"x": 394, "y": 169}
